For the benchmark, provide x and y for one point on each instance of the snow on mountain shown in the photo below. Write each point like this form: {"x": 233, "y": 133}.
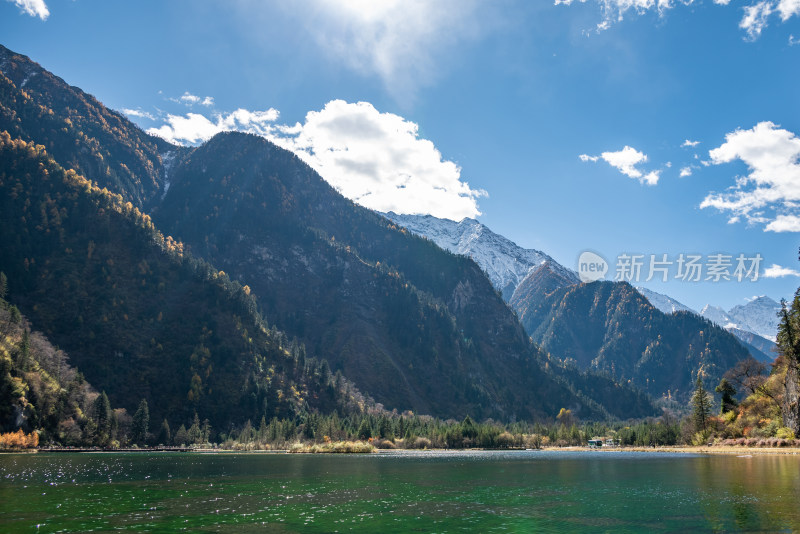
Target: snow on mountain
{"x": 760, "y": 315}
{"x": 663, "y": 302}
{"x": 750, "y": 322}
{"x": 505, "y": 262}
{"x": 717, "y": 315}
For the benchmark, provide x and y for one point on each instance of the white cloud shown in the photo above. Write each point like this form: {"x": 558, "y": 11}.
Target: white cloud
{"x": 615, "y": 10}
{"x": 189, "y": 99}
{"x": 755, "y": 19}
{"x": 626, "y": 161}
{"x": 194, "y": 127}
{"x": 690, "y": 144}
{"x": 793, "y": 41}
{"x": 403, "y": 42}
{"x": 34, "y": 8}
{"x": 686, "y": 171}
{"x": 138, "y": 113}
{"x": 776, "y": 271}
{"x": 784, "y": 223}
{"x": 770, "y": 194}
{"x": 788, "y": 8}
{"x": 378, "y": 160}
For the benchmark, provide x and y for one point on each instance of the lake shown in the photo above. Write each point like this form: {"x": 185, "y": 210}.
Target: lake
{"x": 517, "y": 491}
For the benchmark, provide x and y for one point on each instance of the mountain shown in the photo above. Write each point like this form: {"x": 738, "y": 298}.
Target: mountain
{"x": 761, "y": 348}
{"x": 137, "y": 314}
{"x": 506, "y": 263}
{"x": 416, "y": 327}
{"x": 663, "y": 302}
{"x": 717, "y": 315}
{"x": 611, "y": 327}
{"x": 39, "y": 389}
{"x": 79, "y": 132}
{"x": 540, "y": 283}
{"x": 759, "y": 315}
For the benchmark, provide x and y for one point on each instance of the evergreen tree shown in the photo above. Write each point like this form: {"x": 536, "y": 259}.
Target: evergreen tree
{"x": 727, "y": 391}
{"x": 181, "y": 436}
{"x": 25, "y": 351}
{"x": 205, "y": 431}
{"x": 246, "y": 434}
{"x": 468, "y": 428}
{"x": 385, "y": 428}
{"x": 164, "y": 436}
{"x": 789, "y": 348}
{"x": 262, "y": 429}
{"x": 195, "y": 434}
{"x": 141, "y": 424}
{"x": 364, "y": 429}
{"x": 701, "y": 406}
{"x": 3, "y": 285}
{"x": 103, "y": 416}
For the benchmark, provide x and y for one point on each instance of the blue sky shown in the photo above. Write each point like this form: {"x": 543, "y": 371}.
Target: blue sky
{"x": 620, "y": 126}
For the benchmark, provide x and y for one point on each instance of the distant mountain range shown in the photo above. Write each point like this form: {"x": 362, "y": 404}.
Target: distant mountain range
{"x": 507, "y": 264}
{"x": 744, "y": 321}
{"x": 759, "y": 316}
{"x": 230, "y": 279}
{"x": 529, "y": 279}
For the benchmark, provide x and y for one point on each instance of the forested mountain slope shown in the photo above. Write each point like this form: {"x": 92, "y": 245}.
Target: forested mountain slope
{"x": 138, "y": 316}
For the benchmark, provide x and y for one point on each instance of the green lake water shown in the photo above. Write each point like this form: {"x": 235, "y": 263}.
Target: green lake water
{"x": 520, "y": 491}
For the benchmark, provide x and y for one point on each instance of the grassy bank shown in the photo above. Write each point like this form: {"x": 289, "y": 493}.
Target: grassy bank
{"x": 333, "y": 447}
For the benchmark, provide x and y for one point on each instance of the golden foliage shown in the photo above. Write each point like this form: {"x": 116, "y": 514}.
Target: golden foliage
{"x": 19, "y": 440}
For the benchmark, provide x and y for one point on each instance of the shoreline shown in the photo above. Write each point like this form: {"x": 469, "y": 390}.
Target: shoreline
{"x": 692, "y": 449}
{"x": 672, "y": 449}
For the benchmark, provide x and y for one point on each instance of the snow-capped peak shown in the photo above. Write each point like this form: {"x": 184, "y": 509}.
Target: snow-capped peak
{"x": 505, "y": 262}
{"x": 663, "y": 302}
{"x": 760, "y": 315}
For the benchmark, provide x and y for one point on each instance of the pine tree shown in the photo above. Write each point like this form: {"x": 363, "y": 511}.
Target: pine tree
{"x": 789, "y": 348}
{"x": 364, "y": 429}
{"x": 727, "y": 391}
{"x": 468, "y": 429}
{"x": 262, "y": 429}
{"x": 195, "y": 434}
{"x": 3, "y": 285}
{"x": 141, "y": 424}
{"x": 164, "y": 436}
{"x": 181, "y": 436}
{"x": 701, "y": 406}
{"x": 102, "y": 418}
{"x": 25, "y": 351}
{"x": 205, "y": 431}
